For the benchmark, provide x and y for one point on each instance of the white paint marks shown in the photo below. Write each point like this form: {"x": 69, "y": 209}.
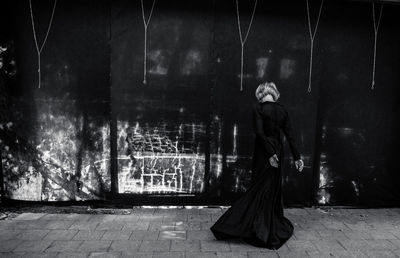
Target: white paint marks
{"x": 191, "y": 63}
{"x": 376, "y": 29}
{"x": 40, "y": 49}
{"x": 234, "y": 151}
{"x": 261, "y": 64}
{"x": 287, "y": 68}
{"x": 243, "y": 39}
{"x": 312, "y": 36}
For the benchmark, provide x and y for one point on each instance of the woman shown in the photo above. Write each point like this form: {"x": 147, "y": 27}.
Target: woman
{"x": 257, "y": 217}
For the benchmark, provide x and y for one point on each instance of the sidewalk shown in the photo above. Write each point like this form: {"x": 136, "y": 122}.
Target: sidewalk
{"x": 166, "y": 233}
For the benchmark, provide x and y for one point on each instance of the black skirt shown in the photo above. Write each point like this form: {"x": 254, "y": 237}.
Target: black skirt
{"x": 257, "y": 217}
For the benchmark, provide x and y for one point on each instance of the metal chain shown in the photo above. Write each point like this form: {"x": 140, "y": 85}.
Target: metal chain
{"x": 243, "y": 41}
{"x": 146, "y": 24}
{"x": 39, "y": 49}
{"x": 312, "y": 36}
{"x": 376, "y": 28}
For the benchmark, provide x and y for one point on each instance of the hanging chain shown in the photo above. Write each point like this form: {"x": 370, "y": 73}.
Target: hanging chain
{"x": 243, "y": 40}
{"x": 376, "y": 28}
{"x": 146, "y": 24}
{"x": 39, "y": 49}
{"x": 312, "y": 36}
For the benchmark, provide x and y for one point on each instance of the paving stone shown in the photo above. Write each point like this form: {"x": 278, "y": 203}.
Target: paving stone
{"x": 126, "y": 218}
{"x": 200, "y": 235}
{"x": 357, "y": 234}
{"x": 89, "y": 235}
{"x": 306, "y": 235}
{"x": 70, "y": 216}
{"x": 176, "y": 217}
{"x": 102, "y": 218}
{"x": 335, "y": 225}
{"x": 354, "y": 244}
{"x": 328, "y": 245}
{"x": 288, "y": 253}
{"x": 29, "y": 216}
{"x": 380, "y": 244}
{"x": 360, "y": 225}
{"x": 381, "y": 234}
{"x": 61, "y": 234}
{"x": 318, "y": 233}
{"x": 7, "y": 234}
{"x": 237, "y": 245}
{"x": 339, "y": 253}
{"x": 9, "y": 245}
{"x": 54, "y": 224}
{"x": 110, "y": 225}
{"x": 116, "y": 235}
{"x": 84, "y": 225}
{"x": 232, "y": 255}
{"x": 206, "y": 225}
{"x": 266, "y": 254}
{"x": 7, "y": 224}
{"x": 395, "y": 242}
{"x": 379, "y": 253}
{"x": 125, "y": 245}
{"x": 94, "y": 246}
{"x": 12, "y": 254}
{"x": 172, "y": 235}
{"x": 168, "y": 255}
{"x": 72, "y": 255}
{"x": 201, "y": 254}
{"x": 194, "y": 225}
{"x": 106, "y": 254}
{"x": 22, "y": 224}
{"x": 155, "y": 246}
{"x": 40, "y": 255}
{"x": 137, "y": 254}
{"x": 220, "y": 246}
{"x": 162, "y": 226}
{"x": 395, "y": 232}
{"x": 190, "y": 245}
{"x": 63, "y": 246}
{"x": 153, "y": 218}
{"x": 200, "y": 217}
{"x": 136, "y": 226}
{"x": 35, "y": 234}
{"x": 33, "y": 246}
{"x": 301, "y": 245}
{"x": 144, "y": 235}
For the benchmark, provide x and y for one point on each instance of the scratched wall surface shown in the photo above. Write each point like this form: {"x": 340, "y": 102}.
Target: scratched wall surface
{"x": 55, "y": 140}
{"x": 358, "y": 127}
{"x": 95, "y": 128}
{"x": 162, "y": 124}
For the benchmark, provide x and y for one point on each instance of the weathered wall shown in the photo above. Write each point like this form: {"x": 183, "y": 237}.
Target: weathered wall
{"x": 95, "y": 128}
{"x": 56, "y": 140}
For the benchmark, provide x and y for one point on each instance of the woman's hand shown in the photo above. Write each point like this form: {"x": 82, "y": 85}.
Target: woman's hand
{"x": 299, "y": 165}
{"x": 273, "y": 161}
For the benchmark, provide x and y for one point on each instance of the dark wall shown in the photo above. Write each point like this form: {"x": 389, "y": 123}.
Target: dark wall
{"x": 56, "y": 138}
{"x": 357, "y": 126}
{"x": 95, "y": 128}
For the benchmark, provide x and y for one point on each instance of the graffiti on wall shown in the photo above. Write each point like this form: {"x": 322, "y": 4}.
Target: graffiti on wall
{"x": 56, "y": 157}
{"x": 157, "y": 159}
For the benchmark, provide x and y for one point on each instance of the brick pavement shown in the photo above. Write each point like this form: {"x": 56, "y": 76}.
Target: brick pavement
{"x": 178, "y": 233}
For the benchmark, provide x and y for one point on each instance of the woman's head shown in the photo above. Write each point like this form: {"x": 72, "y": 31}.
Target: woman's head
{"x": 265, "y": 89}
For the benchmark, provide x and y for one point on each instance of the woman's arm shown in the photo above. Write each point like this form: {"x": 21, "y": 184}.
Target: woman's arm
{"x": 259, "y": 131}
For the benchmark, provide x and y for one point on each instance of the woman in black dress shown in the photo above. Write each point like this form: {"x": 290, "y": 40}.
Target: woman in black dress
{"x": 257, "y": 217}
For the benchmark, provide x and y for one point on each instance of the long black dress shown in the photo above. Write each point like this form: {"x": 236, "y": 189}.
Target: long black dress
{"x": 257, "y": 216}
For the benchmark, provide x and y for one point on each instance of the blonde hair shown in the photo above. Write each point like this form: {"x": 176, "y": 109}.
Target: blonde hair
{"x": 267, "y": 88}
